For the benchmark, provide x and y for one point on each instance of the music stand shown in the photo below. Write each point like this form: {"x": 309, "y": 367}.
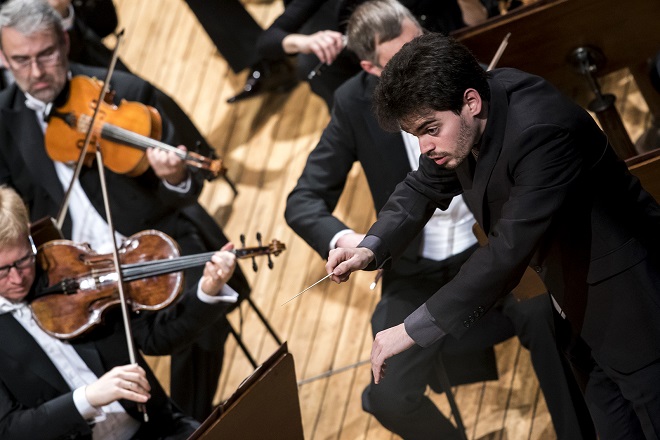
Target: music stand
{"x": 264, "y": 406}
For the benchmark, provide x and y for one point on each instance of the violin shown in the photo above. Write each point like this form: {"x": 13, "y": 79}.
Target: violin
{"x": 122, "y": 132}
{"x": 83, "y": 284}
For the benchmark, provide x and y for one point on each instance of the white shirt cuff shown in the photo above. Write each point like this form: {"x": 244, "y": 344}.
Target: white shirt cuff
{"x": 338, "y": 235}
{"x": 86, "y": 410}
{"x": 182, "y": 187}
{"x": 226, "y": 295}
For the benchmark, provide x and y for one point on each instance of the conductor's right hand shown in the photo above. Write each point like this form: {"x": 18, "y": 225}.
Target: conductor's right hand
{"x": 123, "y": 382}
{"x": 343, "y": 261}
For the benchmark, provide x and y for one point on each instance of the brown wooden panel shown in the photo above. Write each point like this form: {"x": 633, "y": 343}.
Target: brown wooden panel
{"x": 545, "y": 33}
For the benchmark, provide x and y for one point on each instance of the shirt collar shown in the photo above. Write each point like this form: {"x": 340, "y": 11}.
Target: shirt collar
{"x": 7, "y": 306}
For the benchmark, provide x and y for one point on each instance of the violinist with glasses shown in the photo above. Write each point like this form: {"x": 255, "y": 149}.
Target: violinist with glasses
{"x": 87, "y": 387}
{"x": 34, "y": 46}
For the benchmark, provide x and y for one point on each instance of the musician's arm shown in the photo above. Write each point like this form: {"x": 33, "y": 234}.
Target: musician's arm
{"x": 55, "y": 418}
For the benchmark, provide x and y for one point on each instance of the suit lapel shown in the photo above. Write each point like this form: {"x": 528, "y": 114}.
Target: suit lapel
{"x": 491, "y": 143}
{"x": 24, "y": 349}
{"x": 390, "y": 150}
{"x": 24, "y": 124}
{"x": 90, "y": 354}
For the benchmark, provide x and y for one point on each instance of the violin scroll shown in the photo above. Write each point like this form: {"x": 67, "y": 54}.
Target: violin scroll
{"x": 274, "y": 248}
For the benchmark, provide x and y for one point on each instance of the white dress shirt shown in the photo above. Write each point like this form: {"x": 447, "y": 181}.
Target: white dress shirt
{"x": 448, "y": 232}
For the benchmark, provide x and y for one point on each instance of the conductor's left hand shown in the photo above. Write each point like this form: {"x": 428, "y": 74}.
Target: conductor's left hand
{"x": 388, "y": 342}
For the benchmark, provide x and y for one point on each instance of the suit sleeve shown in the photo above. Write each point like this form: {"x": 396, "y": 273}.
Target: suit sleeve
{"x": 56, "y": 418}
{"x": 295, "y": 15}
{"x": 546, "y": 172}
{"x": 409, "y": 208}
{"x": 162, "y": 332}
{"x": 310, "y": 205}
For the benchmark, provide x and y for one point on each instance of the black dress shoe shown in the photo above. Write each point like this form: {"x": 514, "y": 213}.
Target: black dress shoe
{"x": 268, "y": 76}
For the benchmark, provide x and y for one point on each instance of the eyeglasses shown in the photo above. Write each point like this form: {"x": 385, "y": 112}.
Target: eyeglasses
{"x": 49, "y": 58}
{"x": 20, "y": 264}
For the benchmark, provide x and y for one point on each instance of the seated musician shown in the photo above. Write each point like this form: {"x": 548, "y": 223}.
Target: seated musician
{"x": 34, "y": 48}
{"x": 87, "y": 387}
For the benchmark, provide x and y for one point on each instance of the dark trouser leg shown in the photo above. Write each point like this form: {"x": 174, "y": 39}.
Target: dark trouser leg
{"x": 625, "y": 406}
{"x": 195, "y": 371}
{"x": 620, "y": 342}
{"x": 231, "y": 28}
{"x": 195, "y": 368}
{"x": 534, "y": 323}
{"x": 398, "y": 402}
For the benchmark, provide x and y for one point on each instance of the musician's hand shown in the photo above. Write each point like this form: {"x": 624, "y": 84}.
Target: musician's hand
{"x": 326, "y": 45}
{"x": 218, "y": 271}
{"x": 349, "y": 240}
{"x": 167, "y": 165}
{"x": 123, "y": 382}
{"x": 343, "y": 261}
{"x": 388, "y": 342}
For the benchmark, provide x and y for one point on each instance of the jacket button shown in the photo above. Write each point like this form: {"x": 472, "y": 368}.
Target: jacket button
{"x": 476, "y": 313}
{"x": 537, "y": 269}
{"x": 466, "y": 324}
{"x": 480, "y": 309}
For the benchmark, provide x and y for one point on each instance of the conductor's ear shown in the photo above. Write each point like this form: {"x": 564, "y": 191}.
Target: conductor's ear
{"x": 472, "y": 99}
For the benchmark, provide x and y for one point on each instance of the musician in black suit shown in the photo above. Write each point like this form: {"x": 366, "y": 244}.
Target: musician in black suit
{"x": 163, "y": 197}
{"x": 376, "y": 30}
{"x": 87, "y": 386}
{"x": 547, "y": 188}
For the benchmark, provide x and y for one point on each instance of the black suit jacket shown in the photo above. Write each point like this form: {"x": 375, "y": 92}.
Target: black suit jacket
{"x": 550, "y": 193}
{"x": 353, "y": 134}
{"x": 35, "y": 400}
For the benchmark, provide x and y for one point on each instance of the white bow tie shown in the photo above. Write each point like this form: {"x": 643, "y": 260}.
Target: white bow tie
{"x": 9, "y": 307}
{"x": 39, "y": 107}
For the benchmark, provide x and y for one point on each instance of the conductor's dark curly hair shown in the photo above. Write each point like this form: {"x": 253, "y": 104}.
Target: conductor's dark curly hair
{"x": 430, "y": 73}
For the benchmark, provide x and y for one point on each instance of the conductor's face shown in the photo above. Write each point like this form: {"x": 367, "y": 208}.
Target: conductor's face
{"x": 448, "y": 138}
{"x": 37, "y": 61}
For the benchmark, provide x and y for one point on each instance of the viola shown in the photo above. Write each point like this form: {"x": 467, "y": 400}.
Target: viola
{"x": 123, "y": 132}
{"x": 82, "y": 284}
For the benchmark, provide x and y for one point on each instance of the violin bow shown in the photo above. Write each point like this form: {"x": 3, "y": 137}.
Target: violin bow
{"x": 499, "y": 52}
{"x": 104, "y": 189}
{"x": 83, "y": 152}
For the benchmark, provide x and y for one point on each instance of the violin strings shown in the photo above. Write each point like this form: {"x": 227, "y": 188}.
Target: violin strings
{"x": 118, "y": 134}
{"x": 136, "y": 271}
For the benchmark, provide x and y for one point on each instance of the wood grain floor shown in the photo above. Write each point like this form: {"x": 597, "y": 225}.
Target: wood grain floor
{"x": 265, "y": 142}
